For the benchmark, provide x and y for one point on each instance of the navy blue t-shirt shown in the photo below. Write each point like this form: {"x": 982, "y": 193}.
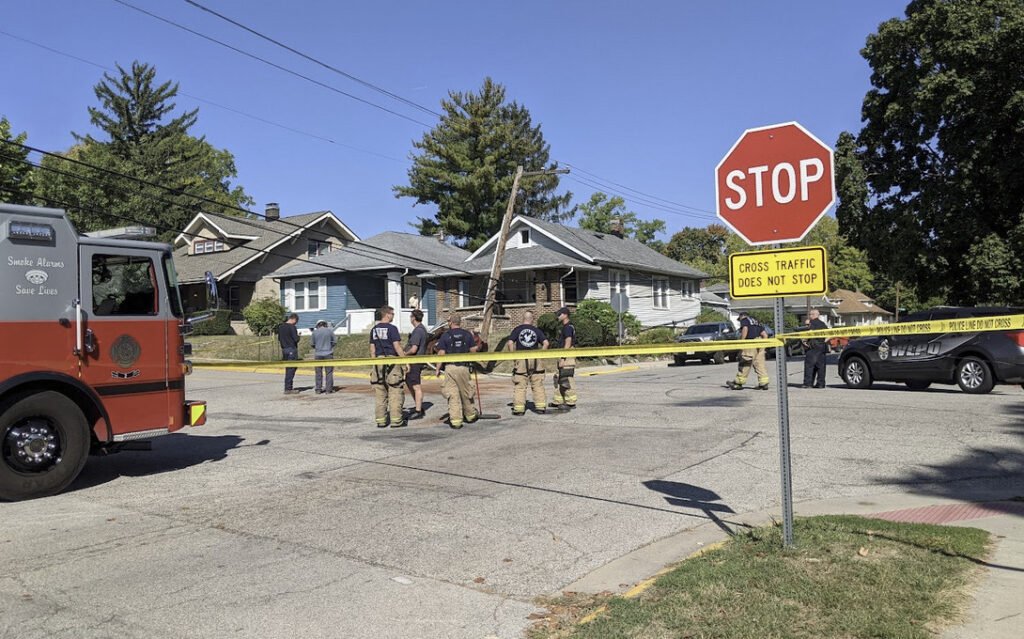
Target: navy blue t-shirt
{"x": 526, "y": 337}
{"x": 456, "y": 340}
{"x": 568, "y": 330}
{"x": 383, "y": 337}
{"x": 754, "y": 328}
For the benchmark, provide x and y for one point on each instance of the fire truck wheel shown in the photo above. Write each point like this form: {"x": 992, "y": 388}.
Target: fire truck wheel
{"x": 44, "y": 442}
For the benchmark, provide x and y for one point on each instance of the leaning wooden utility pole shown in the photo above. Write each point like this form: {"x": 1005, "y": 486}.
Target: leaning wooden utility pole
{"x": 499, "y": 250}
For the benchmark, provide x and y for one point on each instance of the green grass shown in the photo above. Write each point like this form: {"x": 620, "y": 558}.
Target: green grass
{"x": 847, "y": 577}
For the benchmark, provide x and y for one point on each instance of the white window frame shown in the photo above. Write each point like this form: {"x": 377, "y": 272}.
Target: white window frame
{"x": 660, "y": 288}
{"x": 462, "y": 296}
{"x": 297, "y": 297}
{"x": 200, "y": 247}
{"x": 317, "y": 248}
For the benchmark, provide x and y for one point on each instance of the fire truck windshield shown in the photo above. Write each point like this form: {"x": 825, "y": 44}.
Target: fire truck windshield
{"x": 172, "y": 286}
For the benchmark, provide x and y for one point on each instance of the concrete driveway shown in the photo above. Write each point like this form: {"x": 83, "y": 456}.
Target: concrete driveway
{"x": 295, "y": 516}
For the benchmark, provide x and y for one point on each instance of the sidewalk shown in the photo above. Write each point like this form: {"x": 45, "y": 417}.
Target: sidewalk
{"x": 996, "y": 612}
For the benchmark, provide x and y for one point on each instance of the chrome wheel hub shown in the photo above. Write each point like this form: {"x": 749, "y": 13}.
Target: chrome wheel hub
{"x": 32, "y": 445}
{"x": 972, "y": 375}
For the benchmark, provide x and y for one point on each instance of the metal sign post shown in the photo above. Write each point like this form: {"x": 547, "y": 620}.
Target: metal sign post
{"x": 785, "y": 463}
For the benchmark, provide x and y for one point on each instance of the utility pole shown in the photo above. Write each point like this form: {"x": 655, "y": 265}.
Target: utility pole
{"x": 499, "y": 250}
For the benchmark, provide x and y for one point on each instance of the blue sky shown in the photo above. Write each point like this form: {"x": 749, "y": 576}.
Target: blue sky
{"x": 648, "y": 95}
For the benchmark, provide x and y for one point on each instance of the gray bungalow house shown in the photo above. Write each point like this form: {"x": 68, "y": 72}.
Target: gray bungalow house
{"x": 242, "y": 252}
{"x": 345, "y": 287}
{"x": 547, "y": 266}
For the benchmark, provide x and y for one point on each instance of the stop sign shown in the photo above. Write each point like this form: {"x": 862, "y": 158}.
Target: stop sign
{"x": 775, "y": 183}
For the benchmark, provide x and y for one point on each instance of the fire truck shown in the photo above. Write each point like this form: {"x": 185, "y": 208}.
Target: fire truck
{"x": 92, "y": 350}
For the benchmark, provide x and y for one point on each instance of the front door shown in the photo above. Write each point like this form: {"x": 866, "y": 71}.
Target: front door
{"x": 123, "y": 299}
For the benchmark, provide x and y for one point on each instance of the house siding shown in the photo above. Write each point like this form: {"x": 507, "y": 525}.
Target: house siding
{"x": 682, "y": 309}
{"x": 429, "y": 301}
{"x": 337, "y": 299}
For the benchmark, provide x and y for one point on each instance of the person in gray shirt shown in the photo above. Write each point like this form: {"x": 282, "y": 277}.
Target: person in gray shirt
{"x": 417, "y": 346}
{"x": 323, "y": 348}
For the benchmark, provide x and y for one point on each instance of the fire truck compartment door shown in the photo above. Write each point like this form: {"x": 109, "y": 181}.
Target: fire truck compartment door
{"x": 124, "y": 302}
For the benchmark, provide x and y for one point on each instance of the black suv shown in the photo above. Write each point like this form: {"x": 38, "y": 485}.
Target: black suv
{"x": 974, "y": 361}
{"x": 707, "y": 332}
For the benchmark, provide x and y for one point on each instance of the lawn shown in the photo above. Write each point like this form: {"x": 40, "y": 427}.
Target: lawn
{"x": 847, "y": 577}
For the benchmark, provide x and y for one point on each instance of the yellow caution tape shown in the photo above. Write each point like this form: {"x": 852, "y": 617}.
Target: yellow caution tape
{"x": 965, "y": 325}
{"x": 505, "y": 356}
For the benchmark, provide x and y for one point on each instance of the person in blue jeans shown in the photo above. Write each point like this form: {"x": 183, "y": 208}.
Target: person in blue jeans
{"x": 288, "y": 337}
{"x": 323, "y": 348}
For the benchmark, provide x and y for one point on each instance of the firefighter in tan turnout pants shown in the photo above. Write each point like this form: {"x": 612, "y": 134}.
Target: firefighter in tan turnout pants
{"x": 527, "y": 372}
{"x": 387, "y": 380}
{"x": 456, "y": 387}
{"x": 750, "y": 328}
{"x": 565, "y": 387}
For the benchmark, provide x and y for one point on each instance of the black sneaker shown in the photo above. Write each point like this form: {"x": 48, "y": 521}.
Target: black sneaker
{"x": 416, "y": 414}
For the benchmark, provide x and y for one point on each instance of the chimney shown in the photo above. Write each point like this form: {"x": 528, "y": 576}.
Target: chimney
{"x": 440, "y": 236}
{"x": 617, "y": 227}
{"x": 273, "y": 212}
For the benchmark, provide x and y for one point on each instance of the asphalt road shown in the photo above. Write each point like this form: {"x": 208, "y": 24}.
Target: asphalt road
{"x": 295, "y": 516}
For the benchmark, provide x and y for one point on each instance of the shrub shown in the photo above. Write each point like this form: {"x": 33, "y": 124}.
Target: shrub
{"x": 767, "y": 318}
{"x": 605, "y": 316}
{"x": 548, "y": 322}
{"x": 660, "y": 335}
{"x": 709, "y": 314}
{"x": 219, "y": 324}
{"x": 264, "y": 315}
{"x": 588, "y": 333}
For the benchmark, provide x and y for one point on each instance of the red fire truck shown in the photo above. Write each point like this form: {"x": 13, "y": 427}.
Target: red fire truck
{"x": 92, "y": 350}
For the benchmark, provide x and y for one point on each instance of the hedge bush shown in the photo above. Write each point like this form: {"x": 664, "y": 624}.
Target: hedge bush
{"x": 264, "y": 315}
{"x": 588, "y": 333}
{"x": 661, "y": 335}
{"x": 219, "y": 324}
{"x": 605, "y": 316}
{"x": 548, "y": 322}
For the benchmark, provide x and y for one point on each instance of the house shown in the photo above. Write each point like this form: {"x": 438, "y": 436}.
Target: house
{"x": 798, "y": 306}
{"x": 857, "y": 309}
{"x": 346, "y": 286}
{"x": 547, "y": 266}
{"x": 242, "y": 252}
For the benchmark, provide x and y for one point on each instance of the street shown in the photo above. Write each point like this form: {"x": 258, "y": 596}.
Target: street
{"x": 295, "y": 516}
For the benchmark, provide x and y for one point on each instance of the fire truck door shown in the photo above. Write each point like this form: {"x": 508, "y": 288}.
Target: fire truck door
{"x": 126, "y": 358}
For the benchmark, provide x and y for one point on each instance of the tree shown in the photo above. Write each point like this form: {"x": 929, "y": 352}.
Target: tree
{"x": 140, "y": 145}
{"x": 600, "y": 212}
{"x": 852, "y": 188}
{"x": 702, "y": 248}
{"x": 467, "y": 164}
{"x": 941, "y": 149}
{"x": 16, "y": 177}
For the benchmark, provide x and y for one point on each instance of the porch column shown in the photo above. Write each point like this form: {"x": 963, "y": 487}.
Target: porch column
{"x": 394, "y": 290}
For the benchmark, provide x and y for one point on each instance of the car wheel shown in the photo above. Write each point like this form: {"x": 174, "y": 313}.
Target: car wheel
{"x": 918, "y": 385}
{"x": 856, "y": 373}
{"x": 735, "y": 357}
{"x": 974, "y": 376}
{"x": 679, "y": 360}
{"x": 718, "y": 358}
{"x": 44, "y": 442}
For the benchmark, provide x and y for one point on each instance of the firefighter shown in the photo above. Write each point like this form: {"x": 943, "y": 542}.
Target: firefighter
{"x": 750, "y": 328}
{"x": 456, "y": 387}
{"x": 527, "y": 372}
{"x": 565, "y": 387}
{"x": 387, "y": 380}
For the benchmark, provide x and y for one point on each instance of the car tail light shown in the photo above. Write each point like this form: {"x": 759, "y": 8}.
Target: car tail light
{"x": 1018, "y": 337}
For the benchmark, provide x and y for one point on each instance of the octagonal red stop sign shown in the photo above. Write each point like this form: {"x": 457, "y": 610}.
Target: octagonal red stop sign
{"x": 775, "y": 183}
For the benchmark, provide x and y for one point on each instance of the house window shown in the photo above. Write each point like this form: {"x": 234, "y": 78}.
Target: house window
{"x": 524, "y": 237}
{"x": 307, "y": 295}
{"x": 316, "y": 248}
{"x": 570, "y": 290}
{"x": 234, "y": 298}
{"x": 463, "y": 296}
{"x": 661, "y": 292}
{"x": 207, "y": 246}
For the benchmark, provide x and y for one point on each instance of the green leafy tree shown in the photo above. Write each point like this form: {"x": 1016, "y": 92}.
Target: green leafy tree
{"x": 706, "y": 249}
{"x": 264, "y": 315}
{"x": 141, "y": 141}
{"x": 941, "y": 149}
{"x": 467, "y": 163}
{"x": 600, "y": 212}
{"x": 16, "y": 177}
{"x": 602, "y": 314}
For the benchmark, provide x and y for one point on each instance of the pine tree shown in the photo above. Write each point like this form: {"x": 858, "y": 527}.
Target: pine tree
{"x": 467, "y": 165}
{"x": 16, "y": 177}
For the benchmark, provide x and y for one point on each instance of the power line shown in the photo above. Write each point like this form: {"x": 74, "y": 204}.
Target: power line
{"x": 647, "y": 195}
{"x": 272, "y": 64}
{"x": 224, "y": 107}
{"x": 642, "y": 201}
{"x": 316, "y": 61}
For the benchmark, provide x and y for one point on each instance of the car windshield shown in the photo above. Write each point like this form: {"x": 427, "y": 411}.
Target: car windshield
{"x": 701, "y": 329}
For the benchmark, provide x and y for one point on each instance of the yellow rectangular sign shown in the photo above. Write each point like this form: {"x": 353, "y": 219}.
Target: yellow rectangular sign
{"x": 778, "y": 273}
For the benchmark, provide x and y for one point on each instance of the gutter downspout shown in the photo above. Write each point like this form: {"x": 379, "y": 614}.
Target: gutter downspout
{"x": 561, "y": 286}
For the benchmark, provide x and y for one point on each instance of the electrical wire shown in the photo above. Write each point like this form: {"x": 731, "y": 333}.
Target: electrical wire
{"x": 272, "y": 64}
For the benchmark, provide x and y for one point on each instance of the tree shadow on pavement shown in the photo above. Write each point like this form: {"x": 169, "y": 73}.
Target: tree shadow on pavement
{"x": 695, "y": 497}
{"x": 170, "y": 453}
